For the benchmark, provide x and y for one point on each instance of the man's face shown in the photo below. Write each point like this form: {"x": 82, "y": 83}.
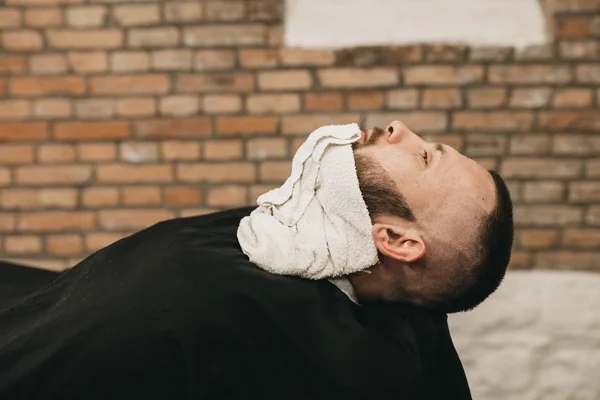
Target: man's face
{"x": 448, "y": 193}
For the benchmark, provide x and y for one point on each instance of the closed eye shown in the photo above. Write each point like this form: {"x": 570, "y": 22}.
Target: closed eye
{"x": 426, "y": 157}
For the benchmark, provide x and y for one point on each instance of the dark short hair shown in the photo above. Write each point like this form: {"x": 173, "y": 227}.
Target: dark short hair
{"x": 487, "y": 264}
{"x": 492, "y": 254}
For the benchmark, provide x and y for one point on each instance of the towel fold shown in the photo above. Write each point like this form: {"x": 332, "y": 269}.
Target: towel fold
{"x": 316, "y": 225}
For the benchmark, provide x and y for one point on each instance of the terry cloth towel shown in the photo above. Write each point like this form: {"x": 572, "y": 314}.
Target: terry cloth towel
{"x": 316, "y": 225}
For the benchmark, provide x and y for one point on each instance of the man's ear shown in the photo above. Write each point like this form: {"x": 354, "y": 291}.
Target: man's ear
{"x": 404, "y": 245}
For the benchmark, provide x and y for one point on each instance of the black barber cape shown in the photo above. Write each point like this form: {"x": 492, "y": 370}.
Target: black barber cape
{"x": 177, "y": 311}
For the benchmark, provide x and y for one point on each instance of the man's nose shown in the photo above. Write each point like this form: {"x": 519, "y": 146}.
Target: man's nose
{"x": 396, "y": 131}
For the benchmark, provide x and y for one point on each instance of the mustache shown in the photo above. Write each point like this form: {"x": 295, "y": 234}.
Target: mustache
{"x": 375, "y": 135}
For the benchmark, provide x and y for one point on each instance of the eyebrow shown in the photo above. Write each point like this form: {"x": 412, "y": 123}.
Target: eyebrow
{"x": 442, "y": 150}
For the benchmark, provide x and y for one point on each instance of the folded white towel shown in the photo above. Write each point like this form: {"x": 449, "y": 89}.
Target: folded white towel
{"x": 316, "y": 225}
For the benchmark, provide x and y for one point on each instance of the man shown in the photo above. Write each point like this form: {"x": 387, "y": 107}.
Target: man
{"x": 177, "y": 311}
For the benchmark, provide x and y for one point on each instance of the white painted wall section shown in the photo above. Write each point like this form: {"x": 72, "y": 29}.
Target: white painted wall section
{"x": 538, "y": 337}
{"x": 352, "y": 23}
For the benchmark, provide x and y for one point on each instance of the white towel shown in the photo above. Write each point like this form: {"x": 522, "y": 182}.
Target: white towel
{"x": 316, "y": 225}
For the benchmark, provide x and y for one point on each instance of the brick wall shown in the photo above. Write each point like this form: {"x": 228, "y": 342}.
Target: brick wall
{"x": 116, "y": 115}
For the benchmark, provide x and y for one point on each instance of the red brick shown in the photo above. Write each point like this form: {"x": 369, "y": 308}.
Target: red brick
{"x": 572, "y": 28}
{"x": 222, "y": 104}
{"x": 129, "y": 61}
{"x": 42, "y": 2}
{"x": 417, "y": 121}
{"x": 22, "y": 244}
{"x": 23, "y": 132}
{"x": 266, "y": 148}
{"x": 441, "y": 98}
{"x": 454, "y": 141}
{"x": 323, "y": 102}
{"x": 52, "y": 108}
{"x": 305, "y": 124}
{"x": 358, "y": 78}
{"x": 88, "y": 39}
{"x": 131, "y": 84}
{"x": 360, "y": 57}
{"x": 216, "y": 172}
{"x": 12, "y": 64}
{"x": 90, "y": 61}
{"x": 402, "y": 99}
{"x": 538, "y": 238}
{"x": 485, "y": 145}
{"x": 18, "y": 199}
{"x": 535, "y": 52}
{"x": 91, "y": 130}
{"x": 529, "y": 74}
{"x": 223, "y": 150}
{"x": 94, "y": 108}
{"x": 274, "y": 171}
{"x": 7, "y": 222}
{"x": 246, "y": 125}
{"x": 530, "y": 97}
{"x": 137, "y": 14}
{"x": 593, "y": 215}
{"x": 588, "y": 73}
{"x": 258, "y": 58}
{"x": 584, "y": 192}
{"x": 183, "y": 11}
{"x": 224, "y": 10}
{"x": 365, "y": 100}
{"x": 581, "y": 238}
{"x": 592, "y": 168}
{"x": 56, "y": 198}
{"x": 224, "y": 35}
{"x": 520, "y": 260}
{"x": 126, "y": 220}
{"x": 572, "y": 98}
{"x": 123, "y": 173}
{"x": 227, "y": 196}
{"x": 43, "y": 64}
{"x": 136, "y": 107}
{"x": 541, "y": 168}
{"x": 567, "y": 120}
{"x": 195, "y": 212}
{"x": 490, "y": 54}
{"x": 22, "y": 40}
{"x": 43, "y": 17}
{"x": 567, "y": 260}
{"x": 258, "y": 190}
{"x": 56, "y": 221}
{"x": 272, "y": 103}
{"x": 138, "y": 152}
{"x": 16, "y": 154}
{"x": 10, "y": 18}
{"x": 64, "y": 245}
{"x": 14, "y": 109}
{"x": 214, "y": 60}
{"x": 285, "y": 80}
{"x": 405, "y": 54}
{"x": 153, "y": 37}
{"x": 260, "y": 10}
{"x": 215, "y": 82}
{"x": 443, "y": 75}
{"x": 5, "y": 177}
{"x": 493, "y": 121}
{"x": 99, "y": 240}
{"x": 48, "y": 175}
{"x": 141, "y": 196}
{"x": 275, "y": 36}
{"x": 448, "y": 53}
{"x": 173, "y": 128}
{"x": 579, "y": 50}
{"x": 100, "y": 197}
{"x": 182, "y": 196}
{"x": 172, "y": 60}
{"x": 96, "y": 152}
{"x": 299, "y": 57}
{"x": 486, "y": 97}
{"x": 69, "y": 85}
{"x": 543, "y": 192}
{"x": 86, "y": 16}
{"x": 55, "y": 153}
{"x": 576, "y": 144}
{"x": 547, "y": 215}
{"x": 179, "y": 105}
{"x": 188, "y": 150}
{"x": 530, "y": 144}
